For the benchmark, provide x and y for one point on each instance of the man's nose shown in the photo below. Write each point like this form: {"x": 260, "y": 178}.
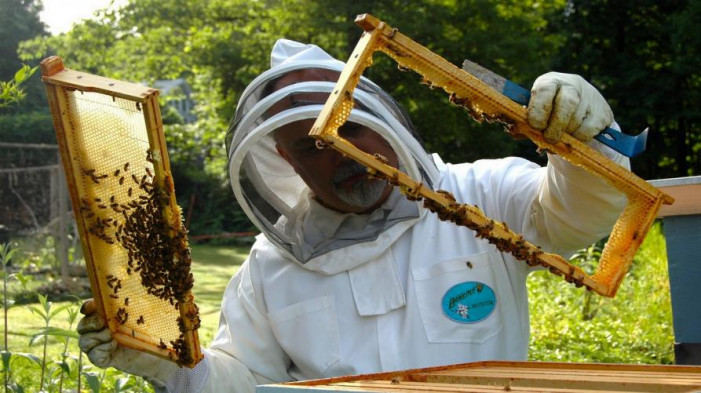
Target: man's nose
{"x": 335, "y": 158}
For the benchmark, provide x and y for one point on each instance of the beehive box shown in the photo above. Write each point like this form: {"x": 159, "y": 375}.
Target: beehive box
{"x": 501, "y": 376}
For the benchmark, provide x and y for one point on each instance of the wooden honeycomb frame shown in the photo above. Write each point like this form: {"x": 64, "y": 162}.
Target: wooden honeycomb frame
{"x": 485, "y": 103}
{"x": 113, "y": 151}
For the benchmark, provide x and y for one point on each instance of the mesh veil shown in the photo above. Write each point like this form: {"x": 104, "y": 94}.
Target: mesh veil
{"x": 273, "y": 196}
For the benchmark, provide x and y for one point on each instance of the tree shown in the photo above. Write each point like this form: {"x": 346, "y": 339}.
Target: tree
{"x": 643, "y": 56}
{"x": 508, "y": 37}
{"x": 148, "y": 40}
{"x": 19, "y": 21}
{"x": 28, "y": 121}
{"x": 219, "y": 46}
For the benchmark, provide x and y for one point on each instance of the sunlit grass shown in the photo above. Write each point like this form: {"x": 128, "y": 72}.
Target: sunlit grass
{"x": 212, "y": 267}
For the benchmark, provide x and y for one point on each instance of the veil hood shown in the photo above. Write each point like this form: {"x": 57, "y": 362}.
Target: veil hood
{"x": 276, "y": 199}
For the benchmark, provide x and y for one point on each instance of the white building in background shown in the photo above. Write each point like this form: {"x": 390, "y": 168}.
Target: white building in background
{"x": 177, "y": 94}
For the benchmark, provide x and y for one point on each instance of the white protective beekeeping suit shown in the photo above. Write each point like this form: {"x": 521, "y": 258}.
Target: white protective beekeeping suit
{"x": 325, "y": 293}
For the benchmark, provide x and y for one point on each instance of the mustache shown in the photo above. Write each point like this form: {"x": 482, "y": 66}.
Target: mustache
{"x": 352, "y": 168}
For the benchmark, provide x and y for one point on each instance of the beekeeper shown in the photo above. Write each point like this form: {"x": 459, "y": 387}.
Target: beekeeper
{"x": 350, "y": 277}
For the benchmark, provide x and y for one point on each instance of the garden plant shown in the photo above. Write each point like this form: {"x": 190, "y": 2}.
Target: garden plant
{"x": 568, "y": 324}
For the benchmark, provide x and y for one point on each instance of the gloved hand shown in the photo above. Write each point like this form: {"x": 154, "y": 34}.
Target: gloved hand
{"x": 103, "y": 351}
{"x": 567, "y": 103}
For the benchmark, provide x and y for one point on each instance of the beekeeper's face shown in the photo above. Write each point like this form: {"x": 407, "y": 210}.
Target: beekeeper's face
{"x": 337, "y": 182}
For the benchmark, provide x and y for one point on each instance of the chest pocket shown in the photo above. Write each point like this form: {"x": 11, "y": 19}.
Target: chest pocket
{"x": 308, "y": 332}
{"x": 458, "y": 299}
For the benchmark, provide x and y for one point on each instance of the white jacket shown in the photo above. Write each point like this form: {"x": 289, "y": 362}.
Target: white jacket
{"x": 282, "y": 322}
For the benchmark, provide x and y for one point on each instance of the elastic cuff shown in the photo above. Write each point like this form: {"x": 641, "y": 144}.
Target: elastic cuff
{"x": 188, "y": 379}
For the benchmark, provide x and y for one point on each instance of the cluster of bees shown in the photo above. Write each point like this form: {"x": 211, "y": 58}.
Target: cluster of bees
{"x": 157, "y": 251}
{"x": 115, "y": 284}
{"x": 457, "y": 213}
{"x": 519, "y": 248}
{"x": 180, "y": 345}
{"x": 479, "y": 116}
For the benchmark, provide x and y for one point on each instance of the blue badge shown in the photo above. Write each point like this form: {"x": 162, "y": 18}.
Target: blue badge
{"x": 469, "y": 302}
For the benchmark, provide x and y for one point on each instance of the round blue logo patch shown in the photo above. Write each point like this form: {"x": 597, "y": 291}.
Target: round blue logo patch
{"x": 469, "y": 302}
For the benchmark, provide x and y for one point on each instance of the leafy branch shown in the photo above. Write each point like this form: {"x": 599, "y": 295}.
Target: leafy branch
{"x": 10, "y": 91}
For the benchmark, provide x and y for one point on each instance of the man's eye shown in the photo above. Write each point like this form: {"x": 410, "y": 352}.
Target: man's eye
{"x": 350, "y": 130}
{"x": 308, "y": 148}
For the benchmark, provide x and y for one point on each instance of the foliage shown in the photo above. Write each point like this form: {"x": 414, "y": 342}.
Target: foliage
{"x": 19, "y": 21}
{"x": 28, "y": 127}
{"x": 643, "y": 56}
{"x": 5, "y": 256}
{"x": 47, "y": 313}
{"x": 63, "y": 363}
{"x": 9, "y": 358}
{"x": 573, "y": 325}
{"x": 10, "y": 91}
{"x": 226, "y": 43}
{"x": 219, "y": 46}
{"x": 19, "y": 368}
{"x": 587, "y": 259}
{"x": 634, "y": 327}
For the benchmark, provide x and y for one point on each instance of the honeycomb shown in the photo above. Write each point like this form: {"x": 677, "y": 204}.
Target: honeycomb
{"x": 486, "y": 104}
{"x": 114, "y": 155}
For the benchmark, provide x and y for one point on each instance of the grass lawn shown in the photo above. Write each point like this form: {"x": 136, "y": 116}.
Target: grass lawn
{"x": 212, "y": 267}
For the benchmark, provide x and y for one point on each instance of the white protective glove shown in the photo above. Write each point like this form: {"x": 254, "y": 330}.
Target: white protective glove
{"x": 103, "y": 351}
{"x": 567, "y": 103}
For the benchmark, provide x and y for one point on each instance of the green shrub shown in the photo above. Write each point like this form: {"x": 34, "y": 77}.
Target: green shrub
{"x": 569, "y": 324}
